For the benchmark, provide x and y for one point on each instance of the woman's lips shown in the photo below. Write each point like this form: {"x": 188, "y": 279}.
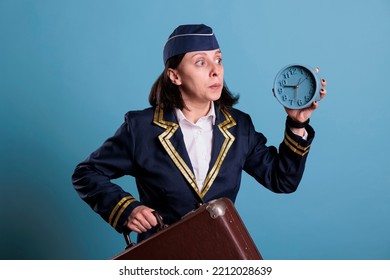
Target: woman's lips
{"x": 215, "y": 86}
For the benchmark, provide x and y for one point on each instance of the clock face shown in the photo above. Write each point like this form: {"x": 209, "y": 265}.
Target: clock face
{"x": 296, "y": 87}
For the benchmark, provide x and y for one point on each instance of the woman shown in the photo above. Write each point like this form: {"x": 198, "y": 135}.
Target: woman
{"x": 190, "y": 146}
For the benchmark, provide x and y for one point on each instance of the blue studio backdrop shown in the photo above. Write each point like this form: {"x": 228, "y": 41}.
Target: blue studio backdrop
{"x": 70, "y": 70}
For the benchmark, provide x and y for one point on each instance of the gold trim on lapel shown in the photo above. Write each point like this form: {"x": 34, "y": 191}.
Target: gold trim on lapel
{"x": 171, "y": 128}
{"x": 229, "y": 139}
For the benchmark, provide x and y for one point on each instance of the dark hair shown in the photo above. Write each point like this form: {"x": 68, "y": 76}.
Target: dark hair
{"x": 167, "y": 95}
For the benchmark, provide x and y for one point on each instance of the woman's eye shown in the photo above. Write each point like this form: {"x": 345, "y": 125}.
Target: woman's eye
{"x": 200, "y": 62}
{"x": 218, "y": 60}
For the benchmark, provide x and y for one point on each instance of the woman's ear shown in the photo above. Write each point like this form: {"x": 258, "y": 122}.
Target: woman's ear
{"x": 174, "y": 76}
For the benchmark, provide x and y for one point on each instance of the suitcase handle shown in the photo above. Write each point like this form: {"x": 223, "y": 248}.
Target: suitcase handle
{"x": 159, "y": 221}
{"x": 126, "y": 231}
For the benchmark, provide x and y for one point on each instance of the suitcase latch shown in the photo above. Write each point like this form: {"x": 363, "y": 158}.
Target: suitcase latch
{"x": 216, "y": 208}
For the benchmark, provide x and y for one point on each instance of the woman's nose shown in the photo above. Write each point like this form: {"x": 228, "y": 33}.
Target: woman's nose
{"x": 215, "y": 70}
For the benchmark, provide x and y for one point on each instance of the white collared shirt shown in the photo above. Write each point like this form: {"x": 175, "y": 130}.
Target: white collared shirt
{"x": 198, "y": 139}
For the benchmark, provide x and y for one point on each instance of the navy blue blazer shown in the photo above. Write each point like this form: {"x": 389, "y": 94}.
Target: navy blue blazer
{"x": 149, "y": 146}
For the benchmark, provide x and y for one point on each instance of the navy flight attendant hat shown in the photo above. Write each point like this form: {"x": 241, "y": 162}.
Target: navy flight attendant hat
{"x": 189, "y": 38}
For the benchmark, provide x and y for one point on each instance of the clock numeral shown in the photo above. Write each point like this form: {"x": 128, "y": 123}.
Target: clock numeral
{"x": 300, "y": 102}
{"x": 284, "y": 97}
{"x": 280, "y": 90}
{"x": 283, "y": 83}
{"x": 292, "y": 71}
{"x": 307, "y": 98}
{"x": 286, "y": 75}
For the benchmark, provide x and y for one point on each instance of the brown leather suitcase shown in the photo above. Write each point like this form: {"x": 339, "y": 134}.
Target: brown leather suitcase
{"x": 214, "y": 231}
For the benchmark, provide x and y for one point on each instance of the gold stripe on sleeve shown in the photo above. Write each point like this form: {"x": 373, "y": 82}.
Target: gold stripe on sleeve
{"x": 294, "y": 146}
{"x": 119, "y": 208}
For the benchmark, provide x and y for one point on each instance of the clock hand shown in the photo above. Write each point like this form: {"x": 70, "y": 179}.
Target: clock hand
{"x": 303, "y": 80}
{"x": 296, "y": 89}
{"x": 293, "y": 85}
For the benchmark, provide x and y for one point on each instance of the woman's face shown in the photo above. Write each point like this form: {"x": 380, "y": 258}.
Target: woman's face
{"x": 199, "y": 77}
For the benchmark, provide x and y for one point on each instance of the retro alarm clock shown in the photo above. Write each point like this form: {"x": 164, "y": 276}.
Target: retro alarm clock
{"x": 297, "y": 86}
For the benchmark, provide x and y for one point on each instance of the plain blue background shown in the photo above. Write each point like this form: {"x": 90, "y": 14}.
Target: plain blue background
{"x": 70, "y": 70}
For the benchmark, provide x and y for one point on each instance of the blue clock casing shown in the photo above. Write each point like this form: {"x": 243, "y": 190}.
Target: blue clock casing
{"x": 297, "y": 86}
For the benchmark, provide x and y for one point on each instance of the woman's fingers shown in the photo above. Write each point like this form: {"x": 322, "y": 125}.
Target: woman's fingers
{"x": 141, "y": 219}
